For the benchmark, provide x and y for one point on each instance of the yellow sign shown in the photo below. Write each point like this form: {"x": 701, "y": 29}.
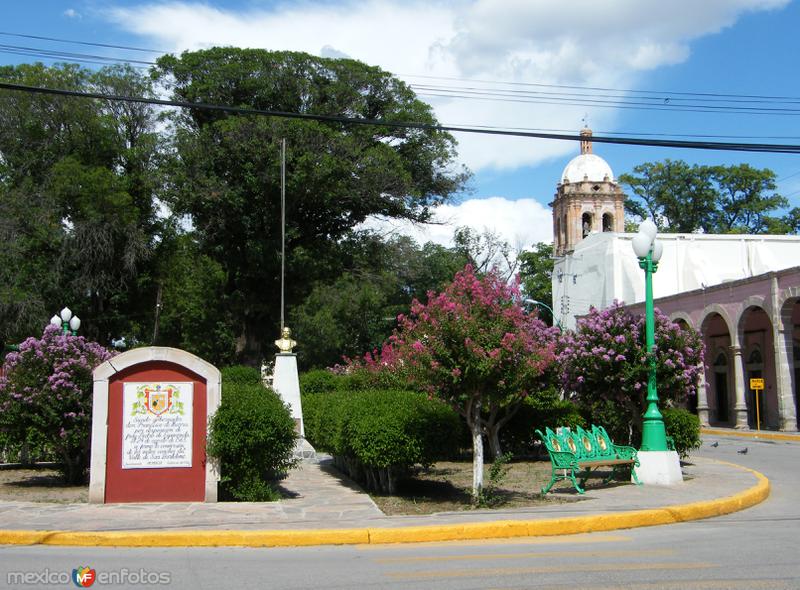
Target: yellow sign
{"x": 756, "y": 384}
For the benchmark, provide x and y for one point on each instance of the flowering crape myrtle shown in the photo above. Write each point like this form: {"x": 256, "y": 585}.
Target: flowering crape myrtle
{"x": 604, "y": 363}
{"x": 47, "y": 390}
{"x": 476, "y": 348}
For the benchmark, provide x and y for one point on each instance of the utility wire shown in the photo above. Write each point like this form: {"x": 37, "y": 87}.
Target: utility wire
{"x": 707, "y": 145}
{"x": 57, "y": 40}
{"x": 671, "y": 94}
{"x": 624, "y": 95}
{"x": 632, "y": 105}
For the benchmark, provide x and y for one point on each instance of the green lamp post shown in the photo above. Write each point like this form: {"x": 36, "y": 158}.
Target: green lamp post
{"x": 648, "y": 250}
{"x": 68, "y": 323}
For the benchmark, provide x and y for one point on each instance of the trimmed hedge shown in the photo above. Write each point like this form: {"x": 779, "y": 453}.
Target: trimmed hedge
{"x": 253, "y": 436}
{"x": 358, "y": 379}
{"x": 376, "y": 436}
{"x": 684, "y": 427}
{"x": 241, "y": 374}
{"x": 320, "y": 381}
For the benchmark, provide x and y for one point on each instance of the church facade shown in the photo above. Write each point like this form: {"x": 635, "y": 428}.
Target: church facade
{"x": 740, "y": 291}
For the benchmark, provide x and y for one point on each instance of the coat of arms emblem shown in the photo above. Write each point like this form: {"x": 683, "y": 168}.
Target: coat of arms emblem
{"x": 157, "y": 399}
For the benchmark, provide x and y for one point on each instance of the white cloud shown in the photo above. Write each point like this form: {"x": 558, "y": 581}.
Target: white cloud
{"x": 72, "y": 13}
{"x": 580, "y": 42}
{"x": 521, "y": 223}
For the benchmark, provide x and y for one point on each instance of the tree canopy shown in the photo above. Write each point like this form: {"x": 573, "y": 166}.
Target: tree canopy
{"x": 227, "y": 168}
{"x": 712, "y": 199}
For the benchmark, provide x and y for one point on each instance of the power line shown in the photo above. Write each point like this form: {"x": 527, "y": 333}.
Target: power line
{"x": 623, "y": 95}
{"x": 34, "y": 51}
{"x": 706, "y": 145}
{"x": 631, "y": 105}
{"x": 604, "y": 89}
{"x": 89, "y": 43}
{"x": 671, "y": 94}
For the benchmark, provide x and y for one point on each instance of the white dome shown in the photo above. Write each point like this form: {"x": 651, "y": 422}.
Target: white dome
{"x": 594, "y": 168}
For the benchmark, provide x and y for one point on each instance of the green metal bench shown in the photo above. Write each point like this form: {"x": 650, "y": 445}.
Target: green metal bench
{"x": 574, "y": 453}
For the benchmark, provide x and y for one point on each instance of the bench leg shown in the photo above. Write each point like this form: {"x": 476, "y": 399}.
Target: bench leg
{"x": 553, "y": 479}
{"x": 633, "y": 475}
{"x": 575, "y": 482}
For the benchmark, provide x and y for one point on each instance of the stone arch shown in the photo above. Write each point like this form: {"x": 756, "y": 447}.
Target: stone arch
{"x": 715, "y": 308}
{"x": 756, "y": 338}
{"x": 608, "y": 222}
{"x": 587, "y": 223}
{"x": 681, "y": 316}
{"x": 752, "y": 302}
{"x": 788, "y": 339}
{"x": 717, "y": 334}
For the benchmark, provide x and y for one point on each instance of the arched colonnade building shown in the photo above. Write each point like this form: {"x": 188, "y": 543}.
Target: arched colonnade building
{"x": 750, "y": 329}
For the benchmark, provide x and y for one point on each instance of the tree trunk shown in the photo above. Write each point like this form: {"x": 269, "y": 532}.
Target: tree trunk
{"x": 493, "y": 437}
{"x": 474, "y": 423}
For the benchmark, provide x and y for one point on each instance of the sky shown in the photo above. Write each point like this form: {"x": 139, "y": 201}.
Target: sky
{"x": 518, "y": 64}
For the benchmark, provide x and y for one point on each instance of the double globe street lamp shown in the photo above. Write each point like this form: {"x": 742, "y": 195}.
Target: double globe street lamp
{"x": 67, "y": 322}
{"x": 649, "y": 250}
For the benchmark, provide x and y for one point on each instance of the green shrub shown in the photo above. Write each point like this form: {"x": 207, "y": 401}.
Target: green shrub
{"x": 545, "y": 409}
{"x": 376, "y": 436}
{"x": 241, "y": 374}
{"x": 684, "y": 428}
{"x": 320, "y": 381}
{"x": 252, "y": 434}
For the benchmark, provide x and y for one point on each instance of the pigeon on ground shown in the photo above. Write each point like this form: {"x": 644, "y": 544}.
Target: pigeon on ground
{"x": 742, "y": 451}
{"x": 715, "y": 444}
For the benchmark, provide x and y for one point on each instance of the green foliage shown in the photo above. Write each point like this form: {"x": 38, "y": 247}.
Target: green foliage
{"x": 488, "y": 496}
{"x": 541, "y": 411}
{"x": 319, "y": 381}
{"x": 225, "y": 176}
{"x": 195, "y": 314}
{"x": 378, "y": 435}
{"x": 357, "y": 310}
{"x": 77, "y": 185}
{"x": 604, "y": 365}
{"x": 715, "y": 199}
{"x": 46, "y": 397}
{"x": 252, "y": 434}
{"x": 535, "y": 272}
{"x": 684, "y": 428}
{"x": 241, "y": 375}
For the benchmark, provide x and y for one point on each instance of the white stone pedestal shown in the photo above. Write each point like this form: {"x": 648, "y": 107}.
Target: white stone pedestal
{"x": 659, "y": 468}
{"x": 286, "y": 383}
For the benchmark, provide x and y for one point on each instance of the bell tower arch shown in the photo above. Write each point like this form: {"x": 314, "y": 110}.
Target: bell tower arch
{"x": 587, "y": 199}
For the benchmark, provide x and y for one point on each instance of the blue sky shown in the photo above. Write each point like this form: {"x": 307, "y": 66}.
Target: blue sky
{"x": 742, "y": 47}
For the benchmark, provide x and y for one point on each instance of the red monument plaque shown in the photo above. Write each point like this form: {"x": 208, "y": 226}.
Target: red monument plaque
{"x": 150, "y": 411}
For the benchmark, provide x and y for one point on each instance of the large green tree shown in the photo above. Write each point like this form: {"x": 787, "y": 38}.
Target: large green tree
{"x": 226, "y": 176}
{"x": 358, "y": 310}
{"x": 77, "y": 213}
{"x": 535, "y": 273}
{"x": 714, "y": 199}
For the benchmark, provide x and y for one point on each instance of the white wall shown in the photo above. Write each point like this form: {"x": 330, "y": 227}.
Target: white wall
{"x": 603, "y": 267}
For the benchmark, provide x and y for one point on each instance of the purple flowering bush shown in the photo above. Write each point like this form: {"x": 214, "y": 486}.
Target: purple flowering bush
{"x": 603, "y": 365}
{"x": 477, "y": 349}
{"x": 47, "y": 392}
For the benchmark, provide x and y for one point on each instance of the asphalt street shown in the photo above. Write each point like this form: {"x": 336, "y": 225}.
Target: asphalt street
{"x": 756, "y": 548}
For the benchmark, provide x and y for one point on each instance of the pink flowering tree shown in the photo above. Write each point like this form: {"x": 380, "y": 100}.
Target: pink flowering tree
{"x": 603, "y": 365}
{"x": 47, "y": 390}
{"x": 476, "y": 348}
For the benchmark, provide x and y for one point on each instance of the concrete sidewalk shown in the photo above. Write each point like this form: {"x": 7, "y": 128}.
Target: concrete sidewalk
{"x": 327, "y": 508}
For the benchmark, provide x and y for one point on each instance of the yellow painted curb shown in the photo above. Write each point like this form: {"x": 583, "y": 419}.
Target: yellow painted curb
{"x": 752, "y": 434}
{"x": 420, "y": 534}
